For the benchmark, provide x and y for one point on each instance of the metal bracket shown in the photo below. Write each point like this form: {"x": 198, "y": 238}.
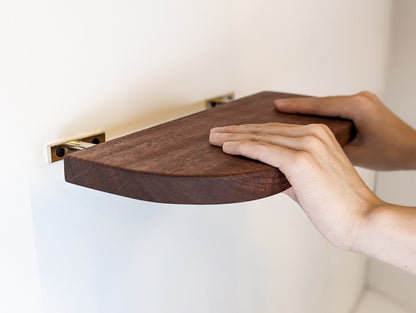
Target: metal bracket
{"x": 213, "y": 102}
{"x": 59, "y": 150}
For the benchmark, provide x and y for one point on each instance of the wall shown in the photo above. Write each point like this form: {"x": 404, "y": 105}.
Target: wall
{"x": 399, "y": 187}
{"x": 74, "y": 67}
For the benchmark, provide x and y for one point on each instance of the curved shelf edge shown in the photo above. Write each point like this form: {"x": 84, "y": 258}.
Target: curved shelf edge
{"x": 174, "y": 163}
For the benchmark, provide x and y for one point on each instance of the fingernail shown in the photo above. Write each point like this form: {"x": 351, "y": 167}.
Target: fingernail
{"x": 226, "y": 145}
{"x": 216, "y": 129}
{"x": 281, "y": 101}
{"x": 213, "y": 135}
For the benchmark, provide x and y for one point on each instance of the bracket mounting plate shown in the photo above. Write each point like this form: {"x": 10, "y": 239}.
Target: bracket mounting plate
{"x": 59, "y": 150}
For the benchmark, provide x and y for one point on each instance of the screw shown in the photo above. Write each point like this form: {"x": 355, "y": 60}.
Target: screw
{"x": 60, "y": 152}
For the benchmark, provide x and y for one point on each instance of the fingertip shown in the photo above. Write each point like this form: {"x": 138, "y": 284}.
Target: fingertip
{"x": 214, "y": 139}
{"x": 220, "y": 129}
{"x": 229, "y": 147}
{"x": 283, "y": 105}
{"x": 279, "y": 102}
{"x": 226, "y": 145}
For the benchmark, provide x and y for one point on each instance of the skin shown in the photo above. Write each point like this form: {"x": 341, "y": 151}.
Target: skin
{"x": 325, "y": 182}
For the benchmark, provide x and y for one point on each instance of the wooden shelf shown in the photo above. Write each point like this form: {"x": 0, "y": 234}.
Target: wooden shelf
{"x": 174, "y": 162}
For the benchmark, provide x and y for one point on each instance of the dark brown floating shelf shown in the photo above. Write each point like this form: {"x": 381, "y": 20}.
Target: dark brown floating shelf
{"x": 174, "y": 162}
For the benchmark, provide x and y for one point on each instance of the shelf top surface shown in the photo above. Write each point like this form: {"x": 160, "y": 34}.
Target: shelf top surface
{"x": 180, "y": 150}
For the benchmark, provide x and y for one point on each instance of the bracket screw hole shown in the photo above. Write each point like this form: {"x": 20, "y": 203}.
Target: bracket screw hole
{"x": 95, "y": 141}
{"x": 60, "y": 152}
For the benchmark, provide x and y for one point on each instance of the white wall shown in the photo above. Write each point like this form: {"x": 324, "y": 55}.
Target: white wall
{"x": 74, "y": 67}
{"x": 373, "y": 302}
{"x": 399, "y": 187}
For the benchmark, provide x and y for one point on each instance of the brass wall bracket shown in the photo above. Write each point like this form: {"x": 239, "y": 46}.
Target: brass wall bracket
{"x": 216, "y": 101}
{"x": 58, "y": 151}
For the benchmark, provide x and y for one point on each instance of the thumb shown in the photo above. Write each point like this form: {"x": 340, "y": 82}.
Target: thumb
{"x": 339, "y": 106}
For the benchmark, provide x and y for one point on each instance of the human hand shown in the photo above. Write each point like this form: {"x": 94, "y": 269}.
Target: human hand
{"x": 323, "y": 180}
{"x": 383, "y": 142}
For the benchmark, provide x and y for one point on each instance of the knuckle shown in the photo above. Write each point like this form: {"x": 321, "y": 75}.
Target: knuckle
{"x": 319, "y": 130}
{"x": 257, "y": 151}
{"x": 325, "y": 129}
{"x": 303, "y": 158}
{"x": 367, "y": 94}
{"x": 361, "y": 98}
{"x": 312, "y": 143}
{"x": 260, "y": 137}
{"x": 239, "y": 147}
{"x": 366, "y": 101}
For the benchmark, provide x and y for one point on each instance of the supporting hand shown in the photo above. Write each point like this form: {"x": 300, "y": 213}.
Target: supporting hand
{"x": 383, "y": 142}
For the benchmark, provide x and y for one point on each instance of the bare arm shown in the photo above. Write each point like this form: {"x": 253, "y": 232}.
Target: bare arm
{"x": 325, "y": 183}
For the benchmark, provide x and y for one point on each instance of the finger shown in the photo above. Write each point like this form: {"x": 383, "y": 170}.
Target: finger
{"x": 276, "y": 156}
{"x": 280, "y": 129}
{"x": 339, "y": 106}
{"x": 310, "y": 137}
{"x": 309, "y": 142}
{"x": 271, "y": 128}
{"x": 218, "y": 139}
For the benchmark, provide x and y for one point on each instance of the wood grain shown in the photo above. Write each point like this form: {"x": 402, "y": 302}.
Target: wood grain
{"x": 174, "y": 162}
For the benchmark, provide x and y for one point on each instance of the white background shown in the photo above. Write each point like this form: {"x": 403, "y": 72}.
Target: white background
{"x": 67, "y": 68}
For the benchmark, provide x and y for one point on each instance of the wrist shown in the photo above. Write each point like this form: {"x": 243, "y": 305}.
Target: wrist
{"x": 370, "y": 221}
{"x": 388, "y": 234}
{"x": 368, "y": 217}
{"x": 355, "y": 236}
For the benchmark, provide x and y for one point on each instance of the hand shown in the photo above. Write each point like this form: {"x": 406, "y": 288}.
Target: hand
{"x": 383, "y": 142}
{"x": 323, "y": 180}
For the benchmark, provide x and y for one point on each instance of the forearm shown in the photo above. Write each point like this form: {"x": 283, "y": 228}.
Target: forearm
{"x": 388, "y": 233}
